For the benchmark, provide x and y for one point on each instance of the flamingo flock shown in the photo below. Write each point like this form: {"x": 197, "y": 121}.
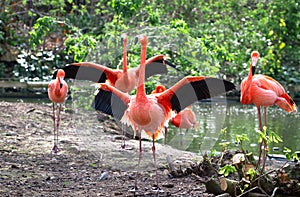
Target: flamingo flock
{"x": 151, "y": 113}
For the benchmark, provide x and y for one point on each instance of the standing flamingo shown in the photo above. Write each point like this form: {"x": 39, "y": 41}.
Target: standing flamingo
{"x": 262, "y": 90}
{"x": 151, "y": 112}
{"x": 57, "y": 92}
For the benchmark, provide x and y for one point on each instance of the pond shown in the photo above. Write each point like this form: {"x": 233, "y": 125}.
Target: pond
{"x": 220, "y": 114}
{"x": 235, "y": 118}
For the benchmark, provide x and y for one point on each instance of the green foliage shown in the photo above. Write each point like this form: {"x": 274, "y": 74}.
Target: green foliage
{"x": 227, "y": 169}
{"x": 41, "y": 29}
{"x": 79, "y": 45}
{"x": 268, "y": 136}
{"x": 240, "y": 139}
{"x": 204, "y": 37}
{"x": 289, "y": 155}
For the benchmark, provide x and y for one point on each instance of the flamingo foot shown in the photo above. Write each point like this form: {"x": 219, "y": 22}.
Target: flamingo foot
{"x": 55, "y": 149}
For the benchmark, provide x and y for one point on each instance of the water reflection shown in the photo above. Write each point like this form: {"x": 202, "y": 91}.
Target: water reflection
{"x": 237, "y": 119}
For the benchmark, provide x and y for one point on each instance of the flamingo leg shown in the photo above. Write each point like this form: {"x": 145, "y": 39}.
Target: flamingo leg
{"x": 154, "y": 159}
{"x": 180, "y": 134}
{"x": 140, "y": 157}
{"x": 265, "y": 115}
{"x": 54, "y": 149}
{"x": 260, "y": 127}
{"x": 265, "y": 143}
{"x": 123, "y": 137}
{"x": 166, "y": 131}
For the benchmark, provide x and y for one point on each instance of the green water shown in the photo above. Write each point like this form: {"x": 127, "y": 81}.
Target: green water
{"x": 237, "y": 119}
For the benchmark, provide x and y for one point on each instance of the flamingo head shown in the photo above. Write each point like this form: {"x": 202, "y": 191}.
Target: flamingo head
{"x": 159, "y": 89}
{"x": 142, "y": 39}
{"x": 124, "y": 38}
{"x": 254, "y": 59}
{"x": 60, "y": 74}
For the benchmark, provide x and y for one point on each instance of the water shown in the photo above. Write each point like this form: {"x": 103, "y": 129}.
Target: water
{"x": 212, "y": 117}
{"x": 235, "y": 118}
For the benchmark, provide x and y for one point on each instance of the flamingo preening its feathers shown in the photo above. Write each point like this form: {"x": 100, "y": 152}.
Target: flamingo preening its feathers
{"x": 151, "y": 112}
{"x": 264, "y": 91}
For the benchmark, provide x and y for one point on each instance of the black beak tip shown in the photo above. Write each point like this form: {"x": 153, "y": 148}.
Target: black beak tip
{"x": 136, "y": 39}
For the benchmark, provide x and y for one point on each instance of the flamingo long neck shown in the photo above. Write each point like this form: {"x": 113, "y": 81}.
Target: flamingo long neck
{"x": 125, "y": 57}
{"x": 58, "y": 86}
{"x": 251, "y": 72}
{"x": 141, "y": 93}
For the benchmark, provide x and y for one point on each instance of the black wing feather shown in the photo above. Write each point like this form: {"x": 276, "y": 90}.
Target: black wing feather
{"x": 109, "y": 103}
{"x": 158, "y": 67}
{"x": 199, "y": 90}
{"x": 83, "y": 73}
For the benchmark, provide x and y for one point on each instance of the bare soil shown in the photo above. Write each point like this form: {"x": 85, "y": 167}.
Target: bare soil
{"x": 91, "y": 161}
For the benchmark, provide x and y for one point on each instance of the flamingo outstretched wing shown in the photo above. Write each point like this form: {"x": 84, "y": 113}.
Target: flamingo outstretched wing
{"x": 109, "y": 103}
{"x": 99, "y": 74}
{"x": 191, "y": 89}
{"x": 89, "y": 71}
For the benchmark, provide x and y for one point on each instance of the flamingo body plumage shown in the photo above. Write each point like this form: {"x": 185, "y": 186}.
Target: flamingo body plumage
{"x": 185, "y": 119}
{"x": 262, "y": 90}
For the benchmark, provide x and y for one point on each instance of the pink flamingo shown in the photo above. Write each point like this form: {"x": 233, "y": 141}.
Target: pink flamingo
{"x": 151, "y": 112}
{"x": 262, "y": 90}
{"x": 57, "y": 92}
{"x": 185, "y": 119}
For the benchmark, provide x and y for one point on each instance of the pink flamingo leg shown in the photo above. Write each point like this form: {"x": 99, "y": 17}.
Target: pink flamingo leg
{"x": 123, "y": 137}
{"x": 154, "y": 159}
{"x": 140, "y": 157}
{"x": 260, "y": 127}
{"x": 166, "y": 131}
{"x": 55, "y": 148}
{"x": 265, "y": 143}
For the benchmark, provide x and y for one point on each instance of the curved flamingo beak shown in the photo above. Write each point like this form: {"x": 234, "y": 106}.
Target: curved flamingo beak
{"x": 254, "y": 57}
{"x": 136, "y": 39}
{"x": 123, "y": 37}
{"x": 60, "y": 82}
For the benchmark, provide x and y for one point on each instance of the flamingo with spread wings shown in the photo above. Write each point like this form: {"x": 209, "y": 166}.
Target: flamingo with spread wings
{"x": 264, "y": 91}
{"x": 151, "y": 112}
{"x": 124, "y": 80}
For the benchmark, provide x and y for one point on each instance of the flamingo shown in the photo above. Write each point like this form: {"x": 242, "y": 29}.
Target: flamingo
{"x": 151, "y": 112}
{"x": 264, "y": 91}
{"x": 184, "y": 119}
{"x": 125, "y": 80}
{"x": 57, "y": 93}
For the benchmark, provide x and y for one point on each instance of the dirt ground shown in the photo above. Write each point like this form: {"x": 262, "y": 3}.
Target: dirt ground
{"x": 91, "y": 161}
